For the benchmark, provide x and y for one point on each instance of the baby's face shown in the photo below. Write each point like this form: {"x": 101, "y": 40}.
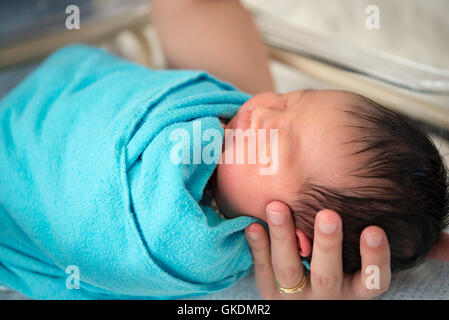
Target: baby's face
{"x": 312, "y": 128}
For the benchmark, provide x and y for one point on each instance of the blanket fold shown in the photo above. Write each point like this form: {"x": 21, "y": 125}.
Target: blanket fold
{"x": 89, "y": 188}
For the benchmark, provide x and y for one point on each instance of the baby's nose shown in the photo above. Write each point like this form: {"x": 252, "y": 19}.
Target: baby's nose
{"x": 264, "y": 118}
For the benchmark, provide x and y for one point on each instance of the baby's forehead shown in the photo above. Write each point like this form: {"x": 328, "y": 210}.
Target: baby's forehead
{"x": 331, "y": 108}
{"x": 333, "y": 137}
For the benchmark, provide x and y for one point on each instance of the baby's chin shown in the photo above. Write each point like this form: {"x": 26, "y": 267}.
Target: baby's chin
{"x": 220, "y": 187}
{"x": 235, "y": 194}
{"x": 224, "y": 177}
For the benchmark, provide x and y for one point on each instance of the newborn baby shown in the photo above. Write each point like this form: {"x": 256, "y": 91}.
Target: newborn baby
{"x": 341, "y": 151}
{"x": 88, "y": 182}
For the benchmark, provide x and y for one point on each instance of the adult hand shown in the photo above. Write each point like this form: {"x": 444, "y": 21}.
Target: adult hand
{"x": 279, "y": 260}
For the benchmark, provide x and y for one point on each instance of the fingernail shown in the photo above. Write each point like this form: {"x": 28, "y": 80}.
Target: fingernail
{"x": 326, "y": 227}
{"x": 252, "y": 235}
{"x": 374, "y": 239}
{"x": 276, "y": 218}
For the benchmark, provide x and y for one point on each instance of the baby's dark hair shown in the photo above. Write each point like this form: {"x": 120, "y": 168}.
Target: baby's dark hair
{"x": 405, "y": 190}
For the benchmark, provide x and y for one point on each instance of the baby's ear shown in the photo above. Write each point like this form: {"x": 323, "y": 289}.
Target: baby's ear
{"x": 441, "y": 249}
{"x": 304, "y": 245}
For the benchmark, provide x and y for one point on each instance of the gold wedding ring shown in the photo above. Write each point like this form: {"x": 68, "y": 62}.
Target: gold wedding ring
{"x": 298, "y": 288}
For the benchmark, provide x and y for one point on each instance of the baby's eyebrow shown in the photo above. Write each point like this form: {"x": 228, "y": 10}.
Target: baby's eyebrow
{"x": 304, "y": 93}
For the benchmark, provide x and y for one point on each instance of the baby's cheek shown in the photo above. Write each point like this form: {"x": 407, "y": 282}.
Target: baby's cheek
{"x": 240, "y": 190}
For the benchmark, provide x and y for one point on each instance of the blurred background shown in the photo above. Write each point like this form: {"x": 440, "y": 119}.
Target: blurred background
{"x": 395, "y": 52}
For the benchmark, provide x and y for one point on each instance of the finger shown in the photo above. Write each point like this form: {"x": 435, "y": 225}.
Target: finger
{"x": 326, "y": 266}
{"x": 374, "y": 277}
{"x": 263, "y": 270}
{"x": 284, "y": 247}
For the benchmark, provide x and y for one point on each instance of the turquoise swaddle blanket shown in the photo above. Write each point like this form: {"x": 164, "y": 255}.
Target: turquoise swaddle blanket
{"x": 87, "y": 187}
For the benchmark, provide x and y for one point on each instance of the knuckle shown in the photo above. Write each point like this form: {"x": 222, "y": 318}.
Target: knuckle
{"x": 326, "y": 247}
{"x": 258, "y": 248}
{"x": 262, "y": 266}
{"x": 278, "y": 235}
{"x": 374, "y": 291}
{"x": 331, "y": 281}
{"x": 287, "y": 273}
{"x": 374, "y": 283}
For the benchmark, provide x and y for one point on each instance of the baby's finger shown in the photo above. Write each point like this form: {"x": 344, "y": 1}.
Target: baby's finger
{"x": 263, "y": 270}
{"x": 374, "y": 277}
{"x": 284, "y": 247}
